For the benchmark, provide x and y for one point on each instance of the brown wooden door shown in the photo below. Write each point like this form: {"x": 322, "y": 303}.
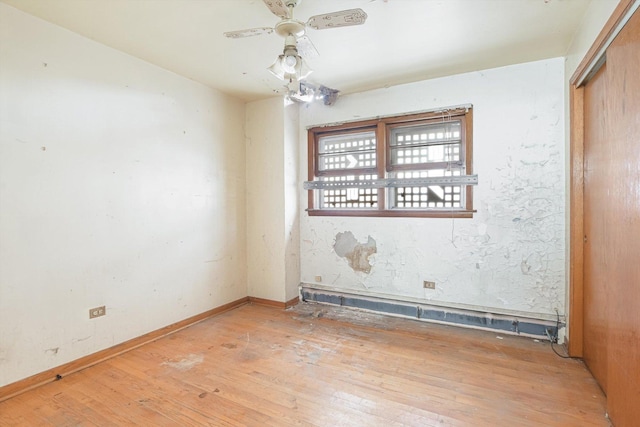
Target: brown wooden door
{"x": 596, "y": 204}
{"x": 623, "y": 124}
{"x": 612, "y": 226}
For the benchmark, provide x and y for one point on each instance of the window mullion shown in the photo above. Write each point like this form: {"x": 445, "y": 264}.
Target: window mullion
{"x": 467, "y": 135}
{"x": 381, "y": 156}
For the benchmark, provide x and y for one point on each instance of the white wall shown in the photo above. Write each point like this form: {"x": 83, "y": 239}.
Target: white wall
{"x": 272, "y": 199}
{"x": 292, "y": 195}
{"x": 265, "y": 199}
{"x": 121, "y": 184}
{"x": 511, "y": 255}
{"x": 592, "y": 23}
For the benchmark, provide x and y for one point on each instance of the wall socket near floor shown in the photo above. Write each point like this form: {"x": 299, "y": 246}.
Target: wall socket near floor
{"x": 97, "y": 312}
{"x": 318, "y": 279}
{"x": 429, "y": 285}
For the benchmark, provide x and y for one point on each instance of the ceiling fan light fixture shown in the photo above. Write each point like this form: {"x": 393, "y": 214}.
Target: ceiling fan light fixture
{"x": 289, "y": 64}
{"x": 290, "y": 67}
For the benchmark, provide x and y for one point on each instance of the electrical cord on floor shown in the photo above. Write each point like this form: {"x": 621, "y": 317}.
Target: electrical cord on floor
{"x": 554, "y": 339}
{"x": 556, "y": 352}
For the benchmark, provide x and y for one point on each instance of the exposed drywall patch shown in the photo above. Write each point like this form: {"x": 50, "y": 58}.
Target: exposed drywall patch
{"x": 357, "y": 254}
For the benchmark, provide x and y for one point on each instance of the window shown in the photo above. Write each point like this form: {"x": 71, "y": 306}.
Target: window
{"x": 411, "y": 165}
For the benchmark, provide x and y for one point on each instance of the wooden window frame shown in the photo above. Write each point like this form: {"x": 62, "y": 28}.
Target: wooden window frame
{"x": 382, "y": 127}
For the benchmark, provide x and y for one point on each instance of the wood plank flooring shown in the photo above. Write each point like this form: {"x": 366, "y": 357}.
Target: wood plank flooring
{"x": 315, "y": 365}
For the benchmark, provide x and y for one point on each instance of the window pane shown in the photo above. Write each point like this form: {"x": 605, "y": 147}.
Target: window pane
{"x": 350, "y": 151}
{"x": 348, "y": 198}
{"x": 431, "y": 196}
{"x": 435, "y": 142}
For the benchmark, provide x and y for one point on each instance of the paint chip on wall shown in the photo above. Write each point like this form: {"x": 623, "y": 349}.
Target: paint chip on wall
{"x": 357, "y": 254}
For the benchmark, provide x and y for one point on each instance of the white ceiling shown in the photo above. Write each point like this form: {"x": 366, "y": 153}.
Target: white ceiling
{"x": 402, "y": 40}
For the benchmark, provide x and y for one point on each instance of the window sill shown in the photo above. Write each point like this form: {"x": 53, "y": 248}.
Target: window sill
{"x": 398, "y": 213}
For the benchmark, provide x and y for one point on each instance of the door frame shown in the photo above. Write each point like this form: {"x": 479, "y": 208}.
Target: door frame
{"x": 590, "y": 64}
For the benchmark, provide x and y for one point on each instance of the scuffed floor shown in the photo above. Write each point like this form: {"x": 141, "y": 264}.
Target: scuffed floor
{"x": 316, "y": 365}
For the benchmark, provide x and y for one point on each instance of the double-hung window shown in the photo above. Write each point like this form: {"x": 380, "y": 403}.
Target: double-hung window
{"x": 411, "y": 165}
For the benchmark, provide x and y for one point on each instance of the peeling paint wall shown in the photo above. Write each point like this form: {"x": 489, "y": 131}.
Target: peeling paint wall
{"x": 511, "y": 255}
{"x": 121, "y": 184}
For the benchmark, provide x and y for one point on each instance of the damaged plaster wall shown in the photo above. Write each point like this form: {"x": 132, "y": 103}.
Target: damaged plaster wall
{"x": 511, "y": 255}
{"x": 356, "y": 254}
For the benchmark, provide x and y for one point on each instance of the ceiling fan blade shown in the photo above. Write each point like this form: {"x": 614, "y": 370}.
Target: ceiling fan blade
{"x": 306, "y": 49}
{"x": 278, "y": 8}
{"x": 343, "y": 18}
{"x": 248, "y": 32}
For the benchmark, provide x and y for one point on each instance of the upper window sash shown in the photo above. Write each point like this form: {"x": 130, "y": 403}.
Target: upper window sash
{"x": 352, "y": 153}
{"x": 432, "y": 144}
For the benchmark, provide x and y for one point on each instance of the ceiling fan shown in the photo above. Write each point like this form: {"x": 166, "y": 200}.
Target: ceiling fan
{"x": 290, "y": 65}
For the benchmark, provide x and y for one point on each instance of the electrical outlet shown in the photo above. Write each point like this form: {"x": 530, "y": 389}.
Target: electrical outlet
{"x": 318, "y": 278}
{"x": 97, "y": 312}
{"x": 429, "y": 285}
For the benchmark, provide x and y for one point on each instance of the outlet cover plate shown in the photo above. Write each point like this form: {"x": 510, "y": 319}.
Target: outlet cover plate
{"x": 429, "y": 285}
{"x": 97, "y": 312}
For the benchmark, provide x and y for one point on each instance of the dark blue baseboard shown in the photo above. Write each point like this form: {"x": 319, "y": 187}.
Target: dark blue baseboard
{"x": 460, "y": 317}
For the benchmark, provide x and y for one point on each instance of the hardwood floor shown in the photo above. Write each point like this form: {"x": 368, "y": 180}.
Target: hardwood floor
{"x": 315, "y": 365}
